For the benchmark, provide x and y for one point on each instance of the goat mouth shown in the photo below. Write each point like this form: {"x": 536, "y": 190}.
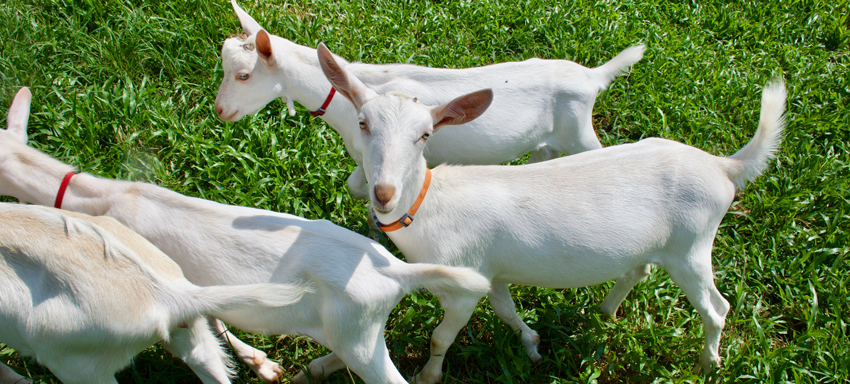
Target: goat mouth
{"x": 231, "y": 116}
{"x": 381, "y": 208}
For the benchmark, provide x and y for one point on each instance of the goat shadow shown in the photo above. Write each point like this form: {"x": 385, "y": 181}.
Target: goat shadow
{"x": 313, "y": 247}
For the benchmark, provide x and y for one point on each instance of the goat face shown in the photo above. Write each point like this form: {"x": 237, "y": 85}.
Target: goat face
{"x": 249, "y": 82}
{"x": 394, "y": 129}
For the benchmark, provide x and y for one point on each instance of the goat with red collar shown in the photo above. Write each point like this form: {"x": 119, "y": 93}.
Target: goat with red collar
{"x": 357, "y": 281}
{"x": 544, "y": 106}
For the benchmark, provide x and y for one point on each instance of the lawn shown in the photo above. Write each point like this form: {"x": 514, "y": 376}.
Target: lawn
{"x": 126, "y": 89}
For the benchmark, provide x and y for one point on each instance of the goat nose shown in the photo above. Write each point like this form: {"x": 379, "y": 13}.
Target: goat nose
{"x": 384, "y": 193}
{"x": 219, "y": 109}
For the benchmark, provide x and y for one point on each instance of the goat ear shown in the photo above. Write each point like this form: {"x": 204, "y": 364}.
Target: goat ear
{"x": 462, "y": 109}
{"x": 249, "y": 25}
{"x": 264, "y": 46}
{"x": 348, "y": 85}
{"x": 19, "y": 115}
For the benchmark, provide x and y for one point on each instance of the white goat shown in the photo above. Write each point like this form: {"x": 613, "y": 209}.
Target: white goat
{"x": 570, "y": 222}
{"x": 83, "y": 295}
{"x": 357, "y": 281}
{"x": 542, "y": 106}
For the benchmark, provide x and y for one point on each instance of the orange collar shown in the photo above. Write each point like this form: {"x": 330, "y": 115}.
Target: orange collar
{"x": 407, "y": 218}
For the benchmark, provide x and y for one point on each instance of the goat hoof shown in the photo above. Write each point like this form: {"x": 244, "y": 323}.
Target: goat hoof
{"x": 300, "y": 378}
{"x": 268, "y": 371}
{"x": 707, "y": 365}
{"x": 610, "y": 312}
{"x": 419, "y": 379}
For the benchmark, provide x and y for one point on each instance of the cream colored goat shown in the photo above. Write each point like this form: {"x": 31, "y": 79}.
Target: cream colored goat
{"x": 357, "y": 281}
{"x": 569, "y": 222}
{"x": 542, "y": 106}
{"x": 83, "y": 295}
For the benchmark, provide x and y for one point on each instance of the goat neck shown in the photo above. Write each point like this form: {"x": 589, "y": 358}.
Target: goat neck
{"x": 33, "y": 177}
{"x": 303, "y": 78}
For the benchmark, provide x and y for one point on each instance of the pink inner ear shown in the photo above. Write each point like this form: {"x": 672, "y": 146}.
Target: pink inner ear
{"x": 334, "y": 73}
{"x": 264, "y": 45}
{"x": 19, "y": 113}
{"x": 464, "y": 108}
{"x": 452, "y": 114}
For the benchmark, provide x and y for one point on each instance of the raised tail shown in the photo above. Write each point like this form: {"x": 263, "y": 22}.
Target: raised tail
{"x": 752, "y": 159}
{"x": 442, "y": 278}
{"x": 606, "y": 73}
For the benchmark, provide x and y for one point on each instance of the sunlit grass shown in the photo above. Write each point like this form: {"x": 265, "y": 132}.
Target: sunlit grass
{"x": 125, "y": 90}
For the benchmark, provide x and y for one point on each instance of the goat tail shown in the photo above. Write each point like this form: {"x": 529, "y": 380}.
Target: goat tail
{"x": 215, "y": 299}
{"x": 442, "y": 278}
{"x": 184, "y": 300}
{"x": 606, "y": 73}
{"x": 752, "y": 158}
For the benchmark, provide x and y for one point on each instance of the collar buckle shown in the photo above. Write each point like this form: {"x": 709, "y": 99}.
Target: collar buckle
{"x": 405, "y": 220}
{"x": 321, "y": 111}
{"x": 375, "y": 219}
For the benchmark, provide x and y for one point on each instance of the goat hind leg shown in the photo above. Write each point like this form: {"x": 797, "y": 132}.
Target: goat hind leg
{"x": 361, "y": 346}
{"x": 458, "y": 311}
{"x": 9, "y": 376}
{"x": 267, "y": 370}
{"x": 622, "y": 288}
{"x": 697, "y": 282}
{"x": 320, "y": 368}
{"x": 503, "y": 305}
{"x": 198, "y": 347}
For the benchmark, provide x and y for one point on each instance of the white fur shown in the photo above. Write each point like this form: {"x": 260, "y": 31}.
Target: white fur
{"x": 541, "y": 106}
{"x": 569, "y": 222}
{"x": 83, "y": 295}
{"x": 355, "y": 281}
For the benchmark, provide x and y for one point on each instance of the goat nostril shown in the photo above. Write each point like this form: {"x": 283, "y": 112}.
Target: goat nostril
{"x": 219, "y": 110}
{"x": 384, "y": 193}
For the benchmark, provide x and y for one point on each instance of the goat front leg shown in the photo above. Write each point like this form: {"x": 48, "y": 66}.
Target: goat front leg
{"x": 267, "y": 370}
{"x": 357, "y": 184}
{"x": 9, "y": 376}
{"x": 622, "y": 288}
{"x": 503, "y": 305}
{"x": 458, "y": 310}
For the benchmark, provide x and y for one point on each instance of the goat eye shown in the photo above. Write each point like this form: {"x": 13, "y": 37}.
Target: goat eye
{"x": 243, "y": 76}
{"x": 363, "y": 125}
{"x": 426, "y": 136}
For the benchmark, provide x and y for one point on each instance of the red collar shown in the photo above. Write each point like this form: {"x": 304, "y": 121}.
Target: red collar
{"x": 62, "y": 188}
{"x": 321, "y": 110}
{"x": 407, "y": 218}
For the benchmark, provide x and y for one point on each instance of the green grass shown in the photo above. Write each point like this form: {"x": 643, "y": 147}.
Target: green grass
{"x": 125, "y": 90}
